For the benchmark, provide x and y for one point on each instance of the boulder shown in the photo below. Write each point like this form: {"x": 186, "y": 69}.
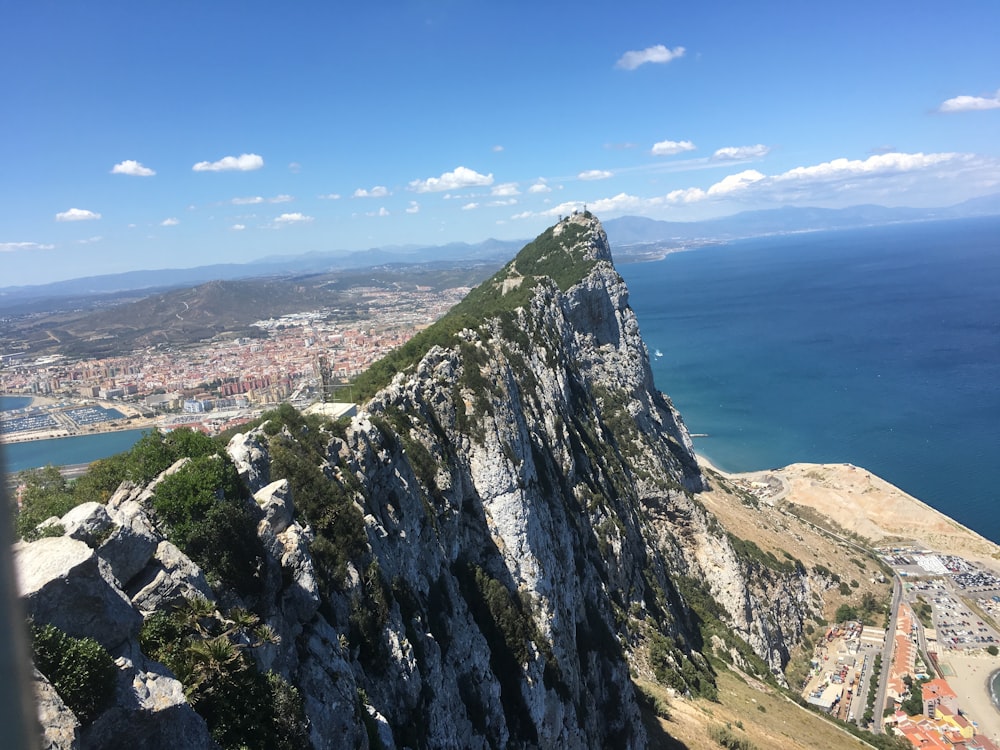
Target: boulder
{"x": 250, "y": 455}
{"x": 63, "y": 582}
{"x": 171, "y": 577}
{"x": 150, "y": 713}
{"x": 60, "y": 727}
{"x": 132, "y": 543}
{"x": 88, "y": 522}
{"x": 276, "y": 501}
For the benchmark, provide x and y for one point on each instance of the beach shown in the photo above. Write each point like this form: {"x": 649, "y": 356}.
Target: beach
{"x": 969, "y": 677}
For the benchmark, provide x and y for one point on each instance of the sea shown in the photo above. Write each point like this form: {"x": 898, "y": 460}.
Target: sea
{"x": 878, "y": 347}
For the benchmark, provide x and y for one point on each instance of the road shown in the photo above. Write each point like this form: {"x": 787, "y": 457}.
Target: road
{"x": 890, "y": 641}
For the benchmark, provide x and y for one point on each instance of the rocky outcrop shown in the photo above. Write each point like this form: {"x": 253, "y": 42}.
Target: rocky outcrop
{"x": 482, "y": 556}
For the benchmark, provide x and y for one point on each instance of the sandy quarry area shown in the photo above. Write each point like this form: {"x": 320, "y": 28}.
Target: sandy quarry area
{"x": 861, "y": 502}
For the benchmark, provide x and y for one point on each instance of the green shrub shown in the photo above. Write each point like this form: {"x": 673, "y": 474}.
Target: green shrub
{"x": 80, "y": 669}
{"x": 726, "y": 738}
{"x": 242, "y": 706}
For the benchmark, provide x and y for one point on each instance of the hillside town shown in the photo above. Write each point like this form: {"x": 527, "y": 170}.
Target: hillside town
{"x": 922, "y": 676}
{"x": 216, "y": 384}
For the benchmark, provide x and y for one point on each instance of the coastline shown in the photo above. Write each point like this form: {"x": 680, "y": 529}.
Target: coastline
{"x": 862, "y": 503}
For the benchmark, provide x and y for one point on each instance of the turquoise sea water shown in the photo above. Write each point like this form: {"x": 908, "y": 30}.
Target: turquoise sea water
{"x": 879, "y": 347}
{"x": 68, "y": 450}
{"x": 9, "y": 403}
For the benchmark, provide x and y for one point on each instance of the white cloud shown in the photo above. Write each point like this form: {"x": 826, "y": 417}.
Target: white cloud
{"x": 540, "y": 187}
{"x": 736, "y": 182}
{"x": 497, "y": 149}
{"x": 878, "y": 164}
{"x": 90, "y": 240}
{"x": 457, "y": 179}
{"x": 379, "y": 191}
{"x": 381, "y": 212}
{"x": 819, "y": 181}
{"x": 295, "y": 218}
{"x": 171, "y": 222}
{"x": 470, "y": 206}
{"x": 238, "y": 227}
{"x": 658, "y": 54}
{"x": 77, "y": 214}
{"x": 667, "y": 148}
{"x": 255, "y": 199}
{"x": 413, "y": 208}
{"x": 330, "y": 197}
{"x": 971, "y": 103}
{"x": 294, "y": 167}
{"x": 740, "y": 153}
{"x": 10, "y": 247}
{"x": 505, "y": 189}
{"x": 241, "y": 163}
{"x": 504, "y": 202}
{"x": 621, "y": 203}
{"x": 132, "y": 167}
{"x": 595, "y": 174}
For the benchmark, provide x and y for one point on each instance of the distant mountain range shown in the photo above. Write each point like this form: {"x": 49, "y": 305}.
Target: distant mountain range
{"x": 631, "y": 238}
{"x": 628, "y": 232}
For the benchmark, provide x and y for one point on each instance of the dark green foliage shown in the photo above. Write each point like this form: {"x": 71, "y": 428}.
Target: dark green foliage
{"x": 46, "y": 494}
{"x": 992, "y": 650}
{"x": 324, "y": 504}
{"x": 749, "y": 551}
{"x": 725, "y": 737}
{"x": 508, "y": 630}
{"x": 369, "y": 614}
{"x": 913, "y": 703}
{"x": 209, "y": 654}
{"x": 206, "y": 514}
{"x": 80, "y": 669}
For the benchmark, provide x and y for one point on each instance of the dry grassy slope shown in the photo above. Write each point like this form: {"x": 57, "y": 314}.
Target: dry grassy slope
{"x": 768, "y": 719}
{"x": 777, "y": 530}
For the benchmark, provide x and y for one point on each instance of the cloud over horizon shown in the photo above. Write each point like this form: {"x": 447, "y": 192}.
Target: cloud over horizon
{"x": 971, "y": 103}
{"x": 77, "y": 214}
{"x": 457, "y": 179}
{"x": 739, "y": 153}
{"x": 667, "y": 148}
{"x": 133, "y": 168}
{"x": 656, "y": 54}
{"x": 379, "y": 191}
{"x": 595, "y": 174}
{"x": 10, "y": 247}
{"x": 292, "y": 218}
{"x": 241, "y": 163}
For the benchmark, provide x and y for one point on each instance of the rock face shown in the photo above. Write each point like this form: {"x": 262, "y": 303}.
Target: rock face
{"x": 529, "y": 525}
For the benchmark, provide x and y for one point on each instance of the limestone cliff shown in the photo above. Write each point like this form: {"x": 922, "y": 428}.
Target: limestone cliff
{"x": 506, "y": 529}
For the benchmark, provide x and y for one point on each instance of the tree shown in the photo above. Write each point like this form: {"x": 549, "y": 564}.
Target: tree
{"x": 45, "y": 494}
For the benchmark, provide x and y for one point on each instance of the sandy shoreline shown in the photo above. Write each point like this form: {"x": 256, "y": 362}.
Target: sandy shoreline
{"x": 971, "y": 683}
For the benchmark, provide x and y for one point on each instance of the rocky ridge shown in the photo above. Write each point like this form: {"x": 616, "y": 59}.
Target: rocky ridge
{"x": 528, "y": 533}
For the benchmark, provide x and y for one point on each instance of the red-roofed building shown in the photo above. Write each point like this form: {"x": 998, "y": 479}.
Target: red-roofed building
{"x": 939, "y": 693}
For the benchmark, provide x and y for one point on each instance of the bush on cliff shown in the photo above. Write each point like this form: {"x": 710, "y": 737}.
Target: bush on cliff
{"x": 80, "y": 669}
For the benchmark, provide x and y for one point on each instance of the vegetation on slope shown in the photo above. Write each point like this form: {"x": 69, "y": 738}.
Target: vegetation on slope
{"x": 554, "y": 254}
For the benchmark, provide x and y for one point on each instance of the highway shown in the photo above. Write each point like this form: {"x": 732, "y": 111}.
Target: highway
{"x": 890, "y": 641}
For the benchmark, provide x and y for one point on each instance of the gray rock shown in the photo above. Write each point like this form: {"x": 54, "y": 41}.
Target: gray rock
{"x": 132, "y": 543}
{"x": 171, "y": 577}
{"x": 63, "y": 582}
{"x": 276, "y": 501}
{"x": 249, "y": 453}
{"x": 87, "y": 522}
{"x": 59, "y": 726}
{"x": 150, "y": 713}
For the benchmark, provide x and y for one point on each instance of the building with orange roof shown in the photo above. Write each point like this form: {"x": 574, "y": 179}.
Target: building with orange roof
{"x": 936, "y": 693}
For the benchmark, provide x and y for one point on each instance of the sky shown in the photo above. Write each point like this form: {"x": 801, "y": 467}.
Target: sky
{"x": 177, "y": 134}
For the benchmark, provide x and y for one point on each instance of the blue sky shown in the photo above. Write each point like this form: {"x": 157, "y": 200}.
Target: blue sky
{"x": 155, "y": 135}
